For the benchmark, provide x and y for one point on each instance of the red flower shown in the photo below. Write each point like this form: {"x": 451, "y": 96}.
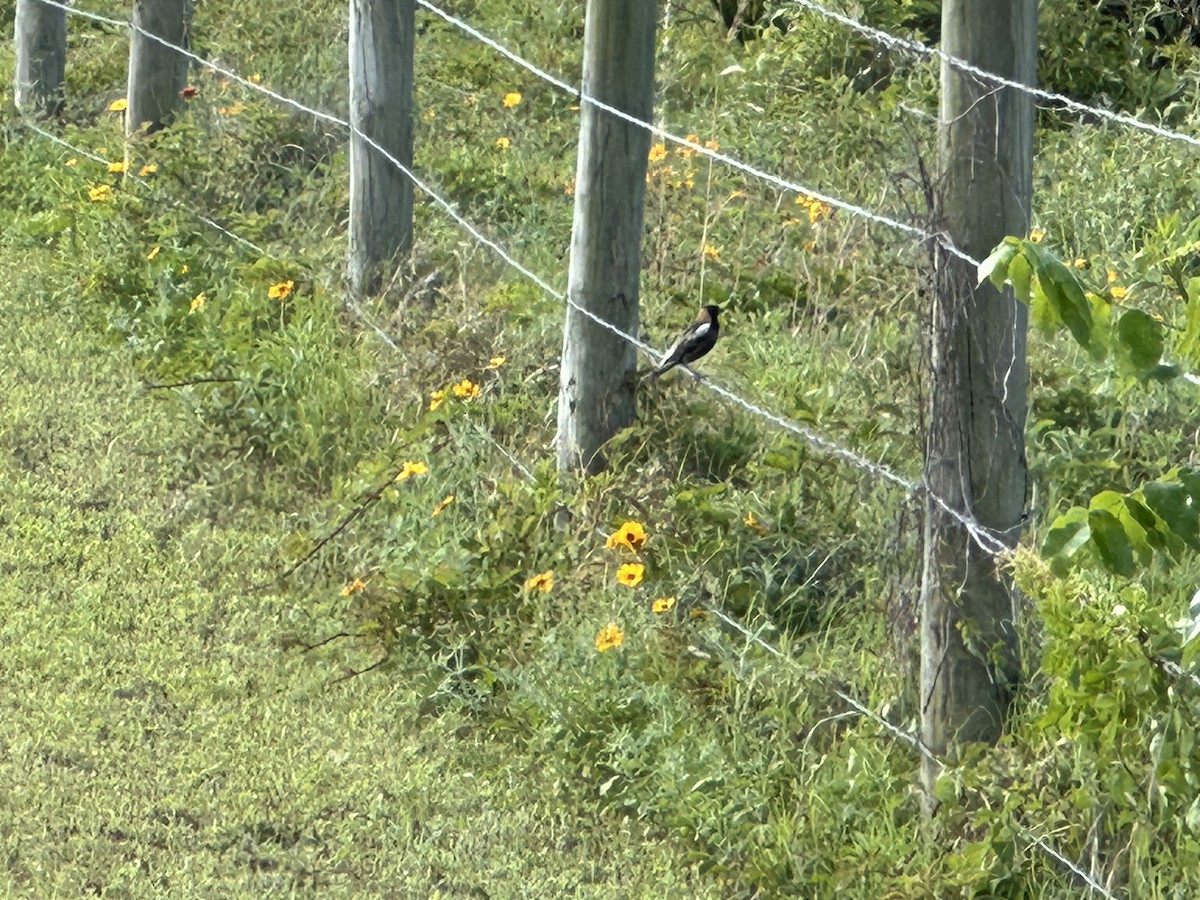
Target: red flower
{"x": 189, "y": 92}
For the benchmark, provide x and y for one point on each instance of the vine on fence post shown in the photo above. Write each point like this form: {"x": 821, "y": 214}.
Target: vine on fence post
{"x": 974, "y": 446}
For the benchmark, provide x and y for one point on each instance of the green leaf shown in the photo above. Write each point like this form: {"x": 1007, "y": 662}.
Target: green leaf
{"x": 1140, "y": 338}
{"x": 1188, "y": 345}
{"x": 995, "y": 267}
{"x": 1170, "y": 502}
{"x": 1020, "y": 276}
{"x": 1111, "y": 543}
{"x": 1068, "y": 533}
{"x": 1063, "y": 291}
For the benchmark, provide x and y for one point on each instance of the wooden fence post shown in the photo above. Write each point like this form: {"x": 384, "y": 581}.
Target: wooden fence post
{"x": 41, "y": 47}
{"x": 157, "y": 73}
{"x": 599, "y": 368}
{"x": 975, "y": 445}
{"x": 381, "y": 82}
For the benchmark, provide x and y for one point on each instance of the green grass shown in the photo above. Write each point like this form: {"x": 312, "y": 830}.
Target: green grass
{"x": 165, "y": 729}
{"x": 163, "y": 732}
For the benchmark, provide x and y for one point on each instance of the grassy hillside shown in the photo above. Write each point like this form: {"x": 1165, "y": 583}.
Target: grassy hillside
{"x": 457, "y": 689}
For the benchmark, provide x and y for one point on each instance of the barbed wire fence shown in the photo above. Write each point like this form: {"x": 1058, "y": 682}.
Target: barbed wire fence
{"x": 982, "y": 536}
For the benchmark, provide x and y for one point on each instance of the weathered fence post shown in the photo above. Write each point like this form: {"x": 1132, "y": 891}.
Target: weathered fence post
{"x": 41, "y": 46}
{"x": 599, "y": 368}
{"x": 975, "y": 445}
{"x": 381, "y": 82}
{"x": 157, "y": 73}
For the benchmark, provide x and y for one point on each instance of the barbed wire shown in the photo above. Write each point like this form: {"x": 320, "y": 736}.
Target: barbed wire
{"x": 895, "y": 42}
{"x": 987, "y": 539}
{"x": 698, "y": 148}
{"x": 978, "y": 531}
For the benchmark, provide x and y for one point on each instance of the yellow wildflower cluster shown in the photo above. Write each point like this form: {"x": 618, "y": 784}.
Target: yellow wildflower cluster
{"x": 100, "y": 193}
{"x": 353, "y": 587}
{"x": 630, "y": 574}
{"x": 281, "y": 290}
{"x": 542, "y": 581}
{"x": 409, "y": 469}
{"x": 663, "y": 604}
{"x": 750, "y": 521}
{"x": 660, "y": 167}
{"x": 609, "y": 637}
{"x": 465, "y": 389}
{"x": 511, "y": 99}
{"x": 817, "y": 209}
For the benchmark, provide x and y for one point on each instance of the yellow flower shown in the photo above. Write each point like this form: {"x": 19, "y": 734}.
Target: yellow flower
{"x": 711, "y": 252}
{"x": 281, "y": 290}
{"x": 118, "y": 105}
{"x": 256, "y": 77}
{"x": 198, "y": 302}
{"x": 99, "y": 192}
{"x": 658, "y": 152}
{"x": 609, "y": 637}
{"x": 511, "y": 99}
{"x": 353, "y": 587}
{"x": 1080, "y": 263}
{"x": 663, "y": 604}
{"x": 465, "y": 389}
{"x": 148, "y": 169}
{"x": 630, "y": 574}
{"x": 751, "y": 522}
{"x": 631, "y": 535}
{"x": 442, "y": 504}
{"x": 712, "y": 145}
{"x": 569, "y": 187}
{"x": 685, "y": 151}
{"x": 1117, "y": 292}
{"x": 232, "y": 110}
{"x": 495, "y": 362}
{"x": 436, "y": 399}
{"x": 410, "y": 469}
{"x": 542, "y": 581}
{"x": 71, "y": 162}
{"x": 503, "y": 143}
{"x": 1037, "y": 235}
{"x": 116, "y": 167}
{"x": 1112, "y": 276}
{"x": 429, "y": 115}
{"x": 154, "y": 252}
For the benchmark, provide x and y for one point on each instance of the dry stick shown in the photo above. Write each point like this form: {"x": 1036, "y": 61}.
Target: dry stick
{"x": 179, "y": 384}
{"x": 370, "y": 497}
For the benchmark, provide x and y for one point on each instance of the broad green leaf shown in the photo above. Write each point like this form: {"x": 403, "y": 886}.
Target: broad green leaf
{"x": 1020, "y": 276}
{"x": 1111, "y": 543}
{"x": 1140, "y": 338}
{"x": 1067, "y": 534}
{"x": 995, "y": 267}
{"x": 1063, "y": 290}
{"x": 1188, "y": 345}
{"x": 1171, "y": 503}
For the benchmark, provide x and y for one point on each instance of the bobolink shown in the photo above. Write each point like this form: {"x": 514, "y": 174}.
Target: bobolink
{"x": 696, "y": 340}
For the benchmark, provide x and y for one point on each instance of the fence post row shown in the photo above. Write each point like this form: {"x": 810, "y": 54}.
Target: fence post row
{"x": 599, "y": 368}
{"x": 41, "y": 48}
{"x": 157, "y": 73}
{"x": 381, "y": 87}
{"x": 975, "y": 444}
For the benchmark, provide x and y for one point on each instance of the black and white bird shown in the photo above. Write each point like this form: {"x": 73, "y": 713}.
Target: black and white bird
{"x": 697, "y": 339}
